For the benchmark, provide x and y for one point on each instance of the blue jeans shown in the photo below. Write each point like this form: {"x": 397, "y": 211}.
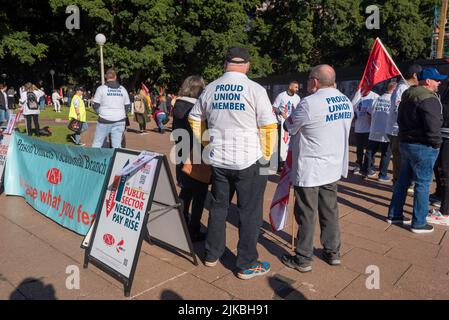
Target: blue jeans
{"x": 104, "y": 129}
{"x": 417, "y": 165}
{"x": 161, "y": 117}
{"x": 78, "y": 135}
{"x": 4, "y": 114}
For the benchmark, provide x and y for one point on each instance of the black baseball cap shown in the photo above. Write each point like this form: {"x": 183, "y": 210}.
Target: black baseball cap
{"x": 411, "y": 70}
{"x": 235, "y": 54}
{"x": 80, "y": 88}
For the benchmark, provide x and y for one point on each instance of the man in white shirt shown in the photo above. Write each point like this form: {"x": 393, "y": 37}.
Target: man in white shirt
{"x": 283, "y": 106}
{"x": 111, "y": 102}
{"x": 242, "y": 134}
{"x": 55, "y": 97}
{"x": 319, "y": 129}
{"x": 392, "y": 129}
{"x": 379, "y": 113}
{"x": 362, "y": 126}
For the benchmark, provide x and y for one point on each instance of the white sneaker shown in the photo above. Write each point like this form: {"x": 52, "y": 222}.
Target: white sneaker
{"x": 436, "y": 217}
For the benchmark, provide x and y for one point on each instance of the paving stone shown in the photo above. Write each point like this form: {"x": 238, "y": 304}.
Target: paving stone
{"x": 358, "y": 290}
{"x": 427, "y": 285}
{"x": 404, "y": 231}
{"x": 323, "y": 282}
{"x": 390, "y": 269}
{"x": 151, "y": 272}
{"x": 186, "y": 287}
{"x": 419, "y": 253}
{"x": 358, "y": 242}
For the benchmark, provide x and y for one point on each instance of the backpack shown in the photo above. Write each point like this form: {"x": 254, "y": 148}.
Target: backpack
{"x": 139, "y": 106}
{"x": 32, "y": 101}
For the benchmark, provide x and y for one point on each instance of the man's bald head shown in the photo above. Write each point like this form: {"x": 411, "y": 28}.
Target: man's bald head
{"x": 324, "y": 74}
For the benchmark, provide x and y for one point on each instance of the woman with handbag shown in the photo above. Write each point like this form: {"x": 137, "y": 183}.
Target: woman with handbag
{"x": 140, "y": 111}
{"x": 192, "y": 178}
{"x": 77, "y": 116}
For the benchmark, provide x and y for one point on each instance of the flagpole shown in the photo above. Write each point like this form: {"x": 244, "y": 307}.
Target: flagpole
{"x": 293, "y": 232}
{"x": 388, "y": 55}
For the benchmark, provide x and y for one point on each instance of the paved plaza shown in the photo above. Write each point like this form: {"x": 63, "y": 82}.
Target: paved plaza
{"x": 35, "y": 253}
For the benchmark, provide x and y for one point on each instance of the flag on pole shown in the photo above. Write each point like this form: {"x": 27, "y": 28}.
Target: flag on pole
{"x": 279, "y": 204}
{"x": 380, "y": 67}
{"x": 144, "y": 88}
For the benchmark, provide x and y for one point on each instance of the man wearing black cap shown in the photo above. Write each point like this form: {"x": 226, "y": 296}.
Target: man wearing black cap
{"x": 242, "y": 132}
{"x": 78, "y": 112}
{"x": 392, "y": 130}
{"x": 420, "y": 120}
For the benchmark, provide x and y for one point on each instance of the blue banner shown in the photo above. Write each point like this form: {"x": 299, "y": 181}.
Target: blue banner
{"x": 62, "y": 182}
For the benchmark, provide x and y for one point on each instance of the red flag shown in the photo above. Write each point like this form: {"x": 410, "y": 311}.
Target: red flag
{"x": 144, "y": 88}
{"x": 380, "y": 67}
{"x": 60, "y": 93}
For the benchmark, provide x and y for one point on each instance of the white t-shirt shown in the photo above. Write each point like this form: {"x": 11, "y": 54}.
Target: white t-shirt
{"x": 392, "y": 127}
{"x": 363, "y": 122}
{"x": 286, "y": 103}
{"x": 320, "y": 128}
{"x": 112, "y": 102}
{"x": 24, "y": 104}
{"x": 379, "y": 116}
{"x": 55, "y": 97}
{"x": 234, "y": 107}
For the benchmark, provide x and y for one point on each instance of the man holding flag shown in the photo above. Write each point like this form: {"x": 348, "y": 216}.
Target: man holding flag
{"x": 319, "y": 129}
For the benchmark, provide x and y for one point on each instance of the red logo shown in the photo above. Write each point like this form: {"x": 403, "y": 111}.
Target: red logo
{"x": 108, "y": 239}
{"x": 54, "y": 176}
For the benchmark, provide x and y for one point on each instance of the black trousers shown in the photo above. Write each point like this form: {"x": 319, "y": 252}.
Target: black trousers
{"x": 35, "y": 118}
{"x": 361, "y": 140}
{"x": 444, "y": 176}
{"x": 371, "y": 149}
{"x": 192, "y": 192}
{"x": 309, "y": 201}
{"x": 250, "y": 188}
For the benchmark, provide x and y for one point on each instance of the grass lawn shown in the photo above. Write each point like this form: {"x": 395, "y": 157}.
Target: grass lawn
{"x": 59, "y": 135}
{"x": 50, "y": 114}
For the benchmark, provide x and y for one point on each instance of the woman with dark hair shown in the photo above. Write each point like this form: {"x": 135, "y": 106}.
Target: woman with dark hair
{"x": 192, "y": 191}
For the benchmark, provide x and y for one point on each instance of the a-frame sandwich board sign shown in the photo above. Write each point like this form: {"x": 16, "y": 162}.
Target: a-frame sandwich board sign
{"x": 134, "y": 205}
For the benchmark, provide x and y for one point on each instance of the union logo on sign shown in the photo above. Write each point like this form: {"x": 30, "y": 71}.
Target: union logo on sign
{"x": 108, "y": 239}
{"x": 54, "y": 176}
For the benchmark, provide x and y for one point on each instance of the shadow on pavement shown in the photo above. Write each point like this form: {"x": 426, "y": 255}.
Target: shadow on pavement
{"x": 33, "y": 289}
{"x": 170, "y": 295}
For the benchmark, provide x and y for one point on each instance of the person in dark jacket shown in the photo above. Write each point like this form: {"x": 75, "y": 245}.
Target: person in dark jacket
{"x": 192, "y": 191}
{"x": 420, "y": 120}
{"x": 441, "y": 216}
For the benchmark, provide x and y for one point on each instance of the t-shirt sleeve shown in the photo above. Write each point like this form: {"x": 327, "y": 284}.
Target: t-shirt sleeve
{"x": 277, "y": 102}
{"x": 97, "y": 96}
{"x": 264, "y": 112}
{"x": 126, "y": 96}
{"x": 298, "y": 118}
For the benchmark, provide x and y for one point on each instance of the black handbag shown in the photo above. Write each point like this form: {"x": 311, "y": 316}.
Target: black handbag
{"x": 75, "y": 125}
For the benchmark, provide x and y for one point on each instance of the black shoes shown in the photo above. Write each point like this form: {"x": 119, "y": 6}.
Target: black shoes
{"x": 332, "y": 258}
{"x": 292, "y": 262}
{"x": 428, "y": 228}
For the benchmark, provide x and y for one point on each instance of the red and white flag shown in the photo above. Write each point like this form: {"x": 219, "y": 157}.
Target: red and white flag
{"x": 144, "y": 88}
{"x": 279, "y": 204}
{"x": 380, "y": 67}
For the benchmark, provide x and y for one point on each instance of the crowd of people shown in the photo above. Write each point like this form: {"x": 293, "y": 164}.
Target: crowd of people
{"x": 406, "y": 122}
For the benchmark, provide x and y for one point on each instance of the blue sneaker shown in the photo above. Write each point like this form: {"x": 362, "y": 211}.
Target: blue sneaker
{"x": 259, "y": 269}
{"x": 383, "y": 179}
